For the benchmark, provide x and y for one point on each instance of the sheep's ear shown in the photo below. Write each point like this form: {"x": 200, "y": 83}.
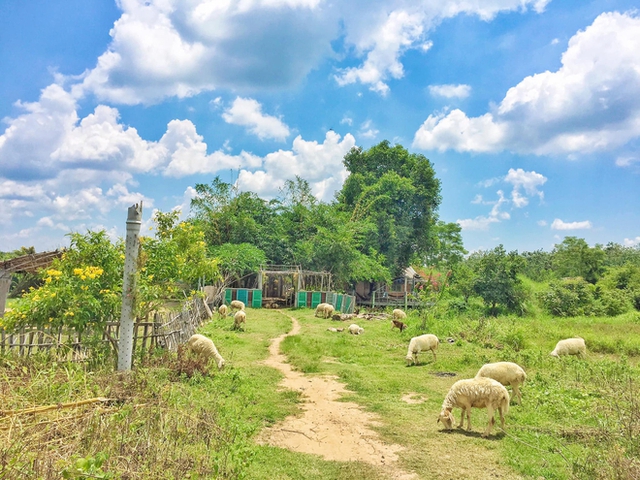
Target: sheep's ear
{"x": 438, "y": 421}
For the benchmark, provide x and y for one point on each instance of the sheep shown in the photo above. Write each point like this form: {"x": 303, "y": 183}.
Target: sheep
{"x": 399, "y": 314}
{"x": 239, "y": 318}
{"x": 419, "y": 344}
{"x": 237, "y": 305}
{"x": 479, "y": 393}
{"x": 507, "y": 373}
{"x": 320, "y": 309}
{"x": 201, "y": 345}
{"x": 328, "y": 311}
{"x": 398, "y": 324}
{"x": 355, "y": 329}
{"x": 570, "y": 346}
{"x": 222, "y": 310}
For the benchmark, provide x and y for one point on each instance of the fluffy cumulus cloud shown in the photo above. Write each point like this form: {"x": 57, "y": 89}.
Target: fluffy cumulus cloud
{"x": 163, "y": 48}
{"x": 592, "y": 102}
{"x": 247, "y": 112}
{"x": 561, "y": 225}
{"x": 450, "y": 91}
{"x": 318, "y": 163}
{"x": 524, "y": 185}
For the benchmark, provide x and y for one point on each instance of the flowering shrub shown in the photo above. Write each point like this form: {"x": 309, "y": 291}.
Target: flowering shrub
{"x": 81, "y": 289}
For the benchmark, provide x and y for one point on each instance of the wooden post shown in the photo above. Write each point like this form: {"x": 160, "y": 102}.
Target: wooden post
{"x": 132, "y": 245}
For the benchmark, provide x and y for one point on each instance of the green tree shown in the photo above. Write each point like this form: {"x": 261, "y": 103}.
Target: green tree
{"x": 538, "y": 265}
{"x": 497, "y": 281}
{"x": 574, "y": 258}
{"x": 399, "y": 194}
{"x": 446, "y": 246}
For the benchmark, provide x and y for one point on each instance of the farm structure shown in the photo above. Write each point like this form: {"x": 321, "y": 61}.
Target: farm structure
{"x": 398, "y": 293}
{"x": 25, "y": 264}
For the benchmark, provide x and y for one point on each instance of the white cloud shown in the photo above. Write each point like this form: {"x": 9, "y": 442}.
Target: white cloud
{"x": 450, "y": 91}
{"x": 162, "y": 48}
{"x": 529, "y": 181}
{"x": 478, "y": 223}
{"x": 627, "y": 160}
{"x": 591, "y": 103}
{"x": 247, "y": 112}
{"x": 542, "y": 223}
{"x": 631, "y": 242}
{"x": 482, "y": 222}
{"x": 318, "y": 163}
{"x": 346, "y": 121}
{"x": 560, "y": 225}
{"x": 367, "y": 130}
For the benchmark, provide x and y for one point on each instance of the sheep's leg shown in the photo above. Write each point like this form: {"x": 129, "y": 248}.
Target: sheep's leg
{"x": 516, "y": 393}
{"x": 492, "y": 420}
{"x": 469, "y": 419}
{"x": 461, "y": 424}
{"x": 501, "y": 417}
{"x": 434, "y": 354}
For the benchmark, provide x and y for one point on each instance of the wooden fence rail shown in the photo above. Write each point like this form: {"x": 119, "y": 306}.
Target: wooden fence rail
{"x": 167, "y": 330}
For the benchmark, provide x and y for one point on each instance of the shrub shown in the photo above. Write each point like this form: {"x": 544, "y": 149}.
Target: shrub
{"x": 570, "y": 297}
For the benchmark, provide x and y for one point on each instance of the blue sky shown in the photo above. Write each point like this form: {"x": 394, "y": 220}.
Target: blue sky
{"x": 528, "y": 109}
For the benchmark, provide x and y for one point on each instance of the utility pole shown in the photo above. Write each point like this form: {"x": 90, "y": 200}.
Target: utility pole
{"x": 129, "y": 292}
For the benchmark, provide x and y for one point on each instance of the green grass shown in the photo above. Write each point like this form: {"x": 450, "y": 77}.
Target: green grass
{"x": 579, "y": 418}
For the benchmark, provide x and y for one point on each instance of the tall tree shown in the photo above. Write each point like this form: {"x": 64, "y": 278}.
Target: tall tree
{"x": 496, "y": 280}
{"x": 574, "y": 258}
{"x": 399, "y": 193}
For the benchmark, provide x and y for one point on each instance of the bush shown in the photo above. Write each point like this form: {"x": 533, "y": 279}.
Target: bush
{"x": 570, "y": 297}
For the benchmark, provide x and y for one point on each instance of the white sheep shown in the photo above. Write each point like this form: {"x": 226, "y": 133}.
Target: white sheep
{"x": 239, "y": 318}
{"x": 478, "y": 393}
{"x": 222, "y": 310}
{"x": 320, "y": 309}
{"x": 570, "y": 346}
{"x": 328, "y": 311}
{"x": 202, "y": 345}
{"x": 237, "y": 305}
{"x": 355, "y": 329}
{"x": 419, "y": 344}
{"x": 399, "y": 314}
{"x": 507, "y": 373}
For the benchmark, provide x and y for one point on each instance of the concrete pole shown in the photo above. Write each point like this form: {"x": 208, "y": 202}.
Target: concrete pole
{"x": 129, "y": 292}
{"x": 5, "y": 284}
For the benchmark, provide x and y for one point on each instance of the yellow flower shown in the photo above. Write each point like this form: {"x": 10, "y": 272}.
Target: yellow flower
{"x": 78, "y": 271}
{"x": 84, "y": 287}
{"x": 69, "y": 313}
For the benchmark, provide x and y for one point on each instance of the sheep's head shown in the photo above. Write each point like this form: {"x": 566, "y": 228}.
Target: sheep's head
{"x": 554, "y": 354}
{"x": 409, "y": 359}
{"x": 221, "y": 363}
{"x": 446, "y": 417}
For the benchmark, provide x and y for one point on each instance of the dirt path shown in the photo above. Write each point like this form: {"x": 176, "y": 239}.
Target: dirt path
{"x": 340, "y": 431}
{"x": 334, "y": 430}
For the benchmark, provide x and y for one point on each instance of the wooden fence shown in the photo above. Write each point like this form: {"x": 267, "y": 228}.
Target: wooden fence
{"x": 167, "y": 330}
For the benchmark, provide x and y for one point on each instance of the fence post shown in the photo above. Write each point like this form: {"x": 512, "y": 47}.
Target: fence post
{"x": 132, "y": 245}
{"x": 5, "y": 285}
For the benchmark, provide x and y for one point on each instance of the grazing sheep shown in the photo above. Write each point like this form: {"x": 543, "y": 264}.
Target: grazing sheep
{"x": 570, "y": 346}
{"x": 320, "y": 309}
{"x": 507, "y": 373}
{"x": 202, "y": 345}
{"x": 419, "y": 344}
{"x": 222, "y": 310}
{"x": 239, "y": 318}
{"x": 355, "y": 329}
{"x": 333, "y": 329}
{"x": 398, "y": 324}
{"x": 479, "y": 393}
{"x": 328, "y": 311}
{"x": 237, "y": 305}
{"x": 399, "y": 314}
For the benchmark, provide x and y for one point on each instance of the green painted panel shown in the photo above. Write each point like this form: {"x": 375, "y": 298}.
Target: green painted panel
{"x": 242, "y": 294}
{"x": 227, "y": 296}
{"x": 347, "y": 306}
{"x": 302, "y": 299}
{"x": 316, "y": 299}
{"x": 339, "y": 302}
{"x": 256, "y": 301}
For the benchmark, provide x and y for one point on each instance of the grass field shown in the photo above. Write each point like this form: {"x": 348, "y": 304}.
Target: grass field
{"x": 579, "y": 418}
